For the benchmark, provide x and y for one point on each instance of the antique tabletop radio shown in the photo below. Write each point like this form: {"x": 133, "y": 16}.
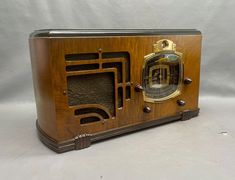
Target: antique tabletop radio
{"x": 95, "y": 84}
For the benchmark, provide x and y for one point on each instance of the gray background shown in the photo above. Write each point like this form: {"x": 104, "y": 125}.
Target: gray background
{"x": 199, "y": 149}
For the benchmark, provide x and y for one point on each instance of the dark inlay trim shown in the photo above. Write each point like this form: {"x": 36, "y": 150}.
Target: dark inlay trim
{"x": 110, "y": 32}
{"x": 84, "y": 140}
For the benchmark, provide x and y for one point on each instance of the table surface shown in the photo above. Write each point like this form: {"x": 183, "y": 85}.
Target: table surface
{"x": 201, "y": 148}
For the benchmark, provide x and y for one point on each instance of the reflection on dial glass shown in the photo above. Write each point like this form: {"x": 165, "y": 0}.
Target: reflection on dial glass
{"x": 161, "y": 75}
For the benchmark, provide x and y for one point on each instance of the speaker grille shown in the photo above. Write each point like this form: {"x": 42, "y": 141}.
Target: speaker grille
{"x": 81, "y": 56}
{"x": 124, "y": 55}
{"x": 82, "y": 67}
{"x": 89, "y": 83}
{"x": 82, "y": 111}
{"x": 120, "y": 97}
{"x": 92, "y": 89}
{"x": 89, "y": 120}
{"x": 118, "y": 66}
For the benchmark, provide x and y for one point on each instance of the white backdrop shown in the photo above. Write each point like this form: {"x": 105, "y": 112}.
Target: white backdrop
{"x": 202, "y": 148}
{"x": 215, "y": 18}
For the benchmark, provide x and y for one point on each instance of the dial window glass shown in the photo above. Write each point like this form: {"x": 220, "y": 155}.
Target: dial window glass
{"x": 161, "y": 76}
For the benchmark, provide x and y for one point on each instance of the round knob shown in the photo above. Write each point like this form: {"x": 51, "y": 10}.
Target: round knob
{"x": 138, "y": 88}
{"x": 147, "y": 109}
{"x": 187, "y": 81}
{"x": 181, "y": 102}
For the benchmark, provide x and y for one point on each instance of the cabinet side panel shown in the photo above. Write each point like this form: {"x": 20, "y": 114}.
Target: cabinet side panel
{"x": 192, "y": 61}
{"x": 41, "y": 71}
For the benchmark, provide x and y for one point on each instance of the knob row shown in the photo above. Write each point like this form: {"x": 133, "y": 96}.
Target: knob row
{"x": 180, "y": 102}
{"x": 139, "y": 88}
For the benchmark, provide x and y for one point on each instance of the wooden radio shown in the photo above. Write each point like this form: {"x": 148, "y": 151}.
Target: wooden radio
{"x": 95, "y": 84}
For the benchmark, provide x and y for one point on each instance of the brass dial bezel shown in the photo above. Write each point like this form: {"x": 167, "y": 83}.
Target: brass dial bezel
{"x": 161, "y": 47}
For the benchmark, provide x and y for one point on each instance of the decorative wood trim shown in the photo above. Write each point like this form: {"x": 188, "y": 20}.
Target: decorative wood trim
{"x": 187, "y": 114}
{"x": 84, "y": 140}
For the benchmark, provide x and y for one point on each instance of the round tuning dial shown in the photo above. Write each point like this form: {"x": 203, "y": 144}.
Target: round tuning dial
{"x": 138, "y": 88}
{"x": 147, "y": 109}
{"x": 187, "y": 81}
{"x": 181, "y": 102}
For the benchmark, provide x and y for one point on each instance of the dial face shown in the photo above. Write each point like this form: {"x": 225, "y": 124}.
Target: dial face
{"x": 161, "y": 76}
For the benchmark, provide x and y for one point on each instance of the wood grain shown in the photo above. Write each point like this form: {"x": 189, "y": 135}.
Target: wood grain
{"x": 56, "y": 118}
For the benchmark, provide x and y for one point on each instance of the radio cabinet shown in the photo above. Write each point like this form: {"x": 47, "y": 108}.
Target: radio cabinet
{"x": 95, "y": 84}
